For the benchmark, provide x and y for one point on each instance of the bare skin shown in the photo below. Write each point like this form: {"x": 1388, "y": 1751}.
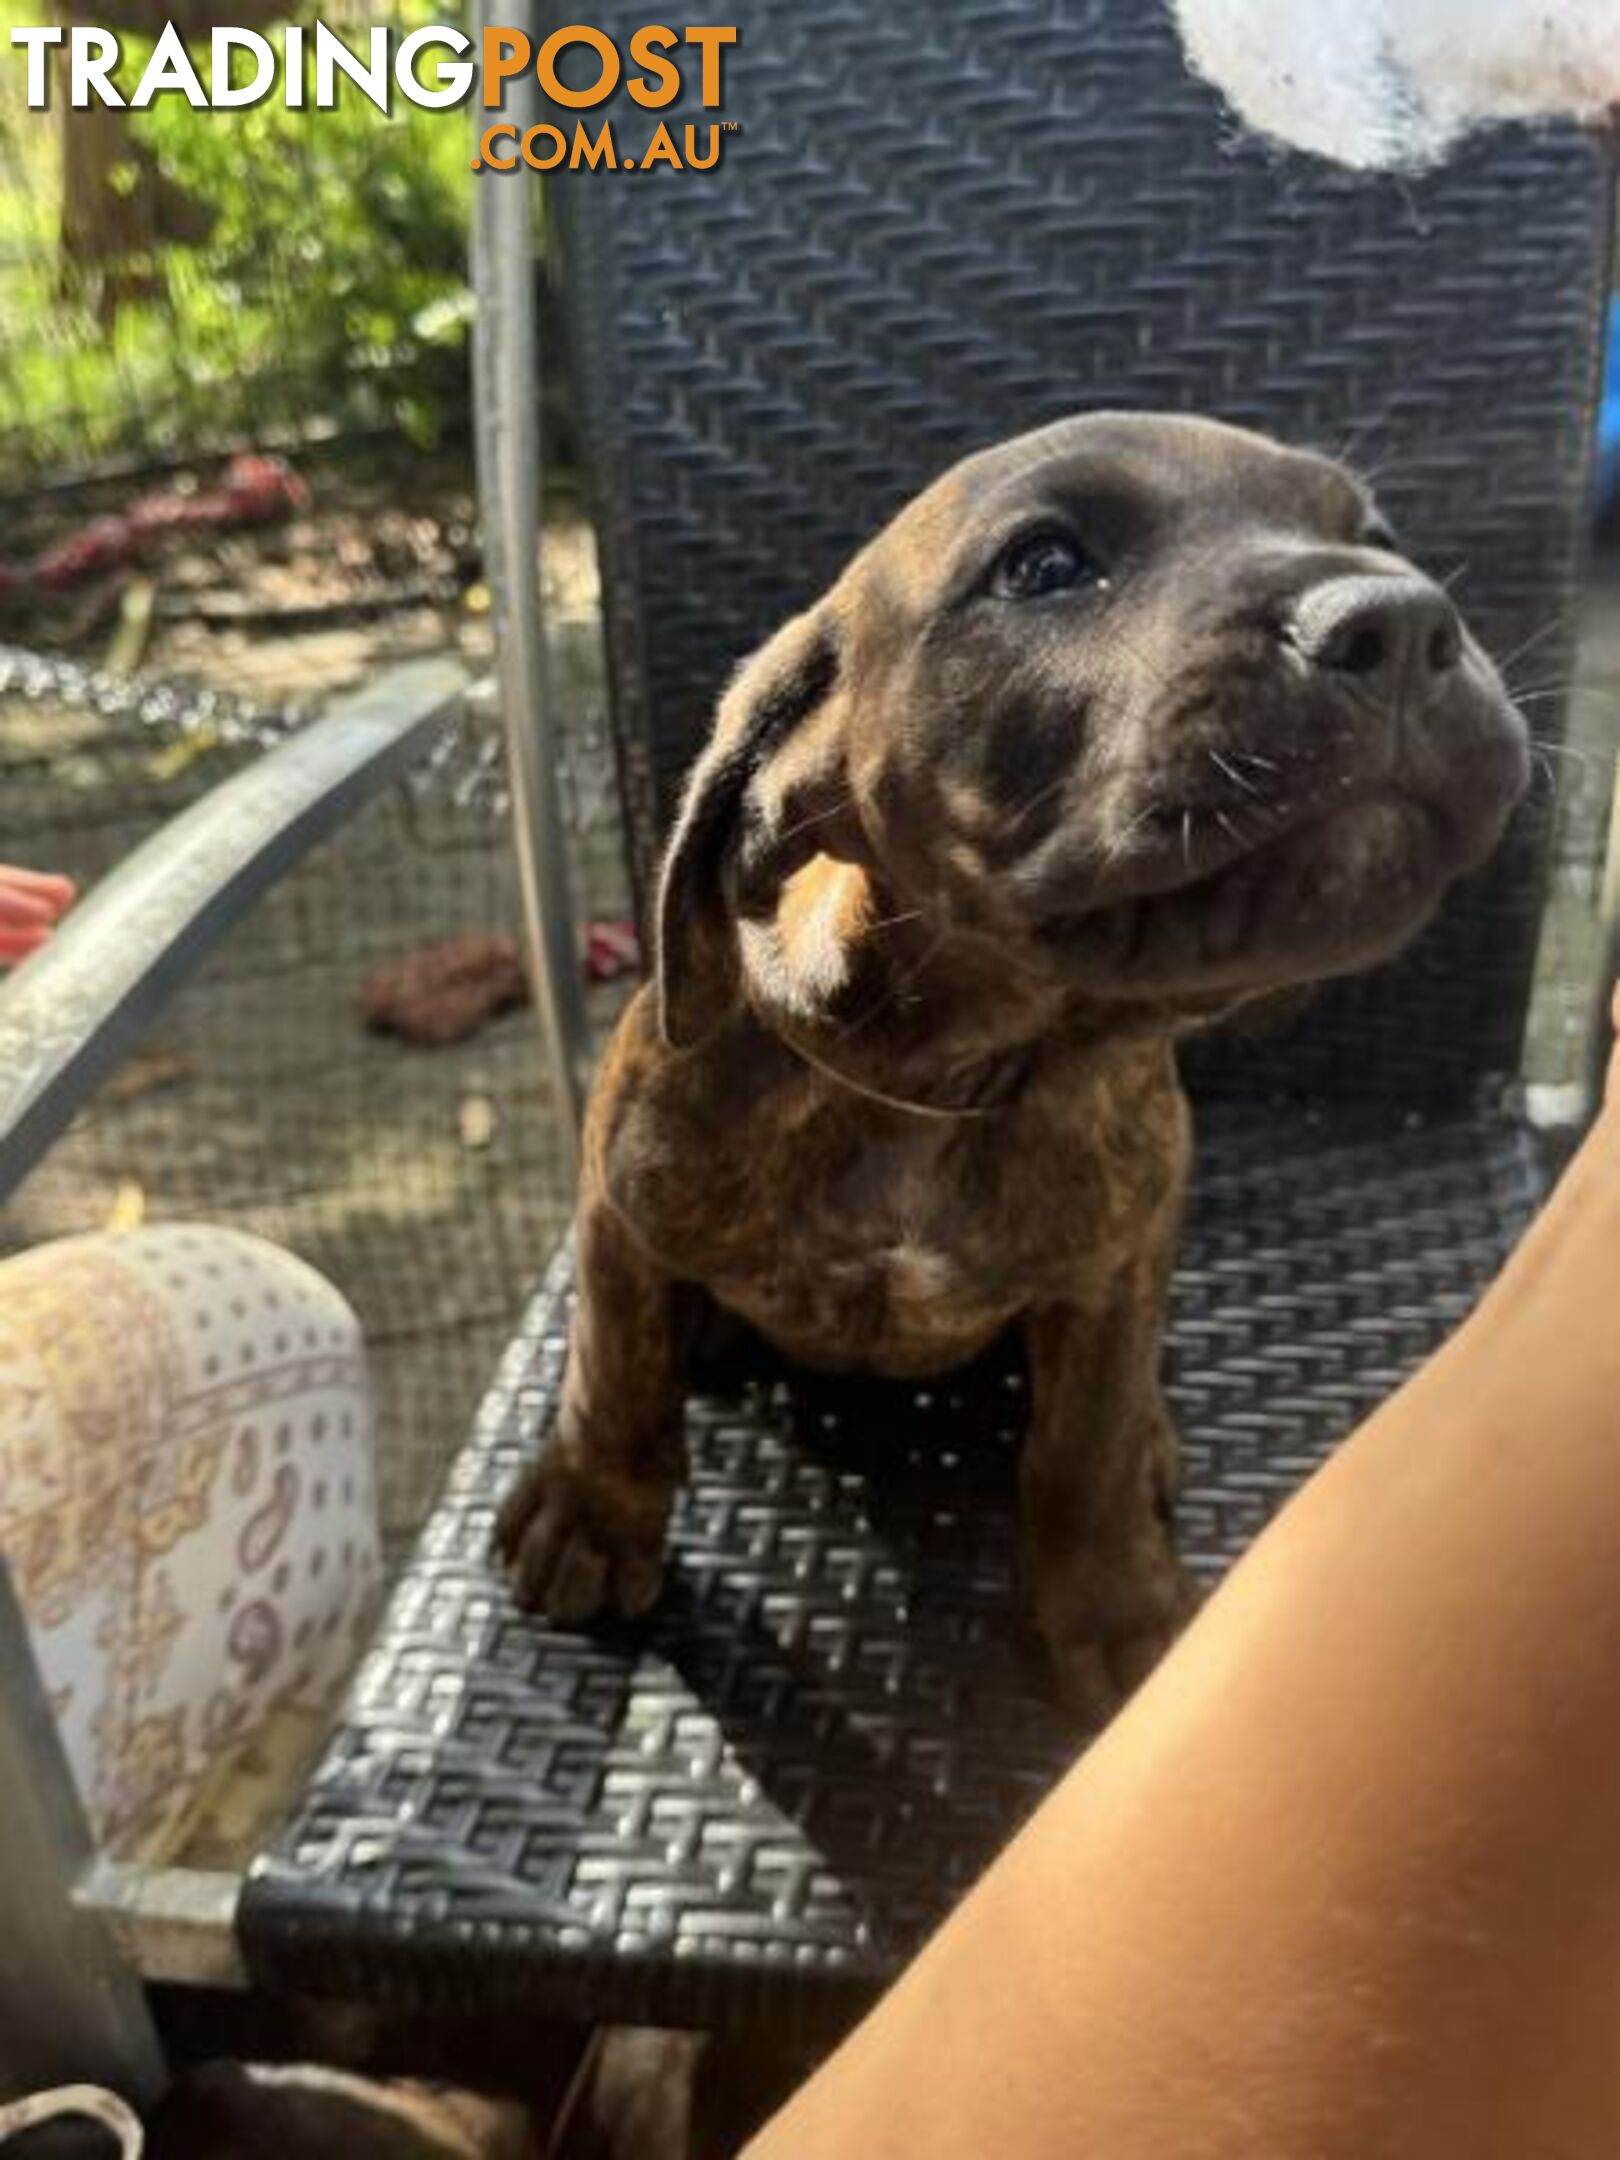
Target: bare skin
{"x": 1344, "y": 1879}
{"x": 31, "y": 904}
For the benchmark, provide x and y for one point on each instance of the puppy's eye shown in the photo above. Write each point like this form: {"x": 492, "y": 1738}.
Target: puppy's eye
{"x": 1041, "y": 563}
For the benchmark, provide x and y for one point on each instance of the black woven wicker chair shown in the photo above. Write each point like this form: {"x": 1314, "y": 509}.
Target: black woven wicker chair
{"x": 937, "y": 226}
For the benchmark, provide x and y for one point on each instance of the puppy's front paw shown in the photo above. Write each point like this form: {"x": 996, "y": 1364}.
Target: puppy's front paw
{"x": 1110, "y": 1620}
{"x": 578, "y": 1546}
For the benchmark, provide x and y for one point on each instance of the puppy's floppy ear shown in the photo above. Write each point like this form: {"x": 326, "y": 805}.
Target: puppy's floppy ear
{"x": 771, "y": 697}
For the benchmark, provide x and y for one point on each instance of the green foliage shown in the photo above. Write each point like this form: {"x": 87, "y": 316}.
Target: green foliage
{"x": 329, "y": 280}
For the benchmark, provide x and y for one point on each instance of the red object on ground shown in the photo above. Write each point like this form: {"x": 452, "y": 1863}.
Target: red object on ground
{"x": 253, "y": 491}
{"x": 612, "y": 949}
{"x": 445, "y": 992}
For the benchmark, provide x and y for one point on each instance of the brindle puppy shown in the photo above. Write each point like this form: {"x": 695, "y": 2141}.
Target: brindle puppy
{"x": 1115, "y": 727}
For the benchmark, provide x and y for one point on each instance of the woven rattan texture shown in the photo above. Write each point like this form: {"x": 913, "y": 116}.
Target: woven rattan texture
{"x": 755, "y": 1807}
{"x": 939, "y": 225}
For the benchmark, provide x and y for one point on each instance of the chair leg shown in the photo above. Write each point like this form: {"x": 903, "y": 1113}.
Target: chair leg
{"x": 70, "y": 2010}
{"x": 631, "y": 2098}
{"x": 506, "y": 412}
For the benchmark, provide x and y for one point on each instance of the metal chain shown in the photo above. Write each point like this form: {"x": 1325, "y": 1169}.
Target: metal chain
{"x": 465, "y": 767}
{"x": 164, "y": 707}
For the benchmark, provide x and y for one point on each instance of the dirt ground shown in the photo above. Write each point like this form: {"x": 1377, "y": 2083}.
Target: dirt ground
{"x": 426, "y": 1183}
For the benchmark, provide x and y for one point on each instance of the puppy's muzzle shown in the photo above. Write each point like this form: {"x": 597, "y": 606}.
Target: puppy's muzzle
{"x": 1392, "y": 637}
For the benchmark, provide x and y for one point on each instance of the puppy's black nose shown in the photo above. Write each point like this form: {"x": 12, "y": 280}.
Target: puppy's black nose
{"x": 1393, "y": 637}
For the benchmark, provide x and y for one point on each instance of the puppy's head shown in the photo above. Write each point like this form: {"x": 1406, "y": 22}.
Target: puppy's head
{"x": 1149, "y": 710}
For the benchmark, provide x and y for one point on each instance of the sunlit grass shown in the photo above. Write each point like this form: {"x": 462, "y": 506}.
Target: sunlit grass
{"x": 332, "y": 284}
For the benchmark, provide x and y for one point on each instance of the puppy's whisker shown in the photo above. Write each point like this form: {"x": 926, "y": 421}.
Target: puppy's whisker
{"x": 1370, "y": 424}
{"x": 1223, "y": 765}
{"x": 1041, "y": 797}
{"x": 1560, "y": 748}
{"x": 1120, "y": 845}
{"x": 1228, "y": 826}
{"x": 816, "y": 817}
{"x": 1548, "y": 683}
{"x": 893, "y": 991}
{"x": 1186, "y": 837}
{"x": 1529, "y": 644}
{"x": 1544, "y": 746}
{"x": 1359, "y": 432}
{"x": 1577, "y": 692}
{"x": 1370, "y": 475}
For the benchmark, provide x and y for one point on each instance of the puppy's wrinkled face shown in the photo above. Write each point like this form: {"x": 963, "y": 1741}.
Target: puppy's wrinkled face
{"x": 1153, "y": 707}
{"x": 1163, "y": 704}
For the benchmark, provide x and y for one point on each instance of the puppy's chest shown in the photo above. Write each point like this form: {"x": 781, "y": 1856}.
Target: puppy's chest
{"x": 872, "y": 1270}
{"x": 899, "y": 1226}
{"x": 898, "y": 1250}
